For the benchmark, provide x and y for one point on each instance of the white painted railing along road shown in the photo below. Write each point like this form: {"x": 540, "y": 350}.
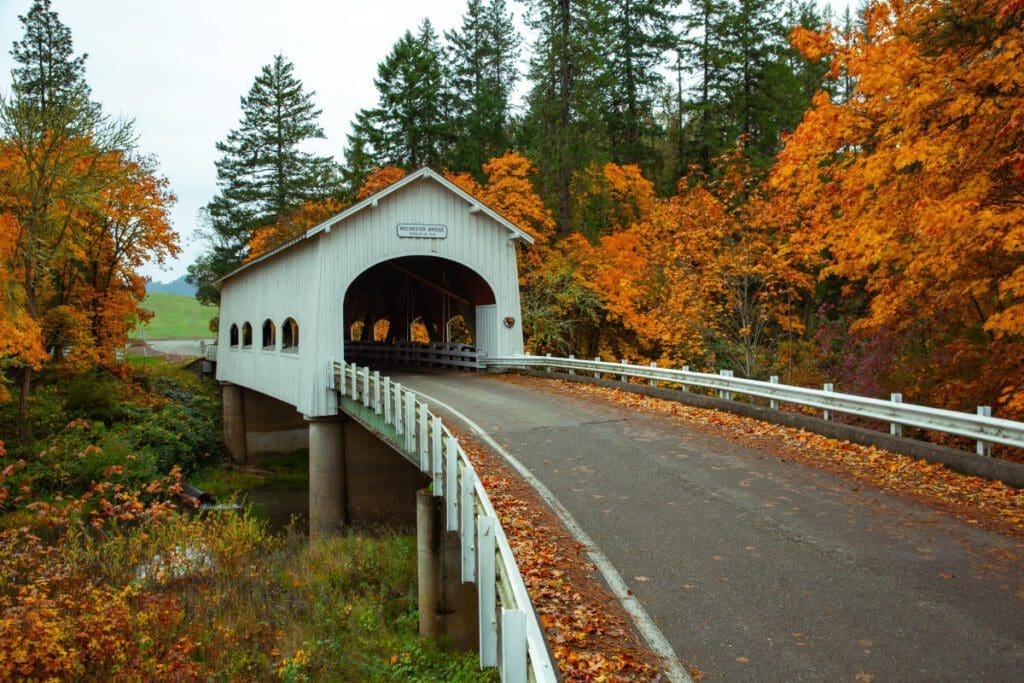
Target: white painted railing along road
{"x": 510, "y": 635}
{"x": 983, "y": 428}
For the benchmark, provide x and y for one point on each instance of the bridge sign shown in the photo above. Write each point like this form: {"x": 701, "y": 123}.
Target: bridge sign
{"x": 423, "y": 230}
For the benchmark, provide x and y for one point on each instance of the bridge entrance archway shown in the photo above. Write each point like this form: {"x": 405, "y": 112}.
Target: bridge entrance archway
{"x": 417, "y": 299}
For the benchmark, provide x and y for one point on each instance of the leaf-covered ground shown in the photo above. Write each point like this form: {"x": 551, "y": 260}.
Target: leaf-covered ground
{"x": 589, "y": 633}
{"x": 991, "y": 504}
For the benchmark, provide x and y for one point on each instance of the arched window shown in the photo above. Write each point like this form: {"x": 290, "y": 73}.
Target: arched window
{"x": 269, "y": 334}
{"x": 246, "y": 336}
{"x": 233, "y": 336}
{"x": 290, "y": 335}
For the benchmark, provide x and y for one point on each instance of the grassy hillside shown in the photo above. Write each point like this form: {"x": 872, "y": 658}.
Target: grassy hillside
{"x": 177, "y": 317}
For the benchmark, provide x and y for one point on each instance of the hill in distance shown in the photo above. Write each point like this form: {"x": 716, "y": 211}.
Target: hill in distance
{"x": 176, "y": 316}
{"x": 179, "y": 287}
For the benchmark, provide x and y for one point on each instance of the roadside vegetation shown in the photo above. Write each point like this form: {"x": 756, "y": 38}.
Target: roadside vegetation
{"x": 107, "y": 573}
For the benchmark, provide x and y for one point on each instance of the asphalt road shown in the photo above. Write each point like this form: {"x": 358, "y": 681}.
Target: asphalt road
{"x": 756, "y": 568}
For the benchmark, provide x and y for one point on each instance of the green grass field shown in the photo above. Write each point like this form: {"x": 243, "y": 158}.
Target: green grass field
{"x": 176, "y": 317}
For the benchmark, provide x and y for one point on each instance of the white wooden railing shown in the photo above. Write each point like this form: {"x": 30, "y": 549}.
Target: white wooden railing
{"x": 510, "y": 635}
{"x": 413, "y": 353}
{"x": 983, "y": 428}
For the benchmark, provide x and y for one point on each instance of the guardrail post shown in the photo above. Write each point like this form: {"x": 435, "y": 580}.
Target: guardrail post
{"x": 686, "y": 368}
{"x": 486, "y": 577}
{"x": 894, "y": 428}
{"x": 984, "y": 447}
{"x": 437, "y": 456}
{"x": 513, "y": 645}
{"x": 366, "y": 387}
{"x": 451, "y": 492}
{"x": 724, "y": 393}
{"x": 387, "y": 400}
{"x": 467, "y": 526}
{"x": 572, "y": 371}
{"x": 773, "y": 403}
{"x": 410, "y": 421}
{"x": 424, "y": 441}
{"x": 376, "y": 392}
{"x": 399, "y": 418}
{"x": 547, "y": 369}
{"x": 623, "y": 378}
{"x": 597, "y": 375}
{"x": 825, "y": 414}
{"x": 654, "y": 382}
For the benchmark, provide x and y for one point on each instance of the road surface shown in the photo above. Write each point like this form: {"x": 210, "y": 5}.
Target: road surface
{"x": 756, "y": 568}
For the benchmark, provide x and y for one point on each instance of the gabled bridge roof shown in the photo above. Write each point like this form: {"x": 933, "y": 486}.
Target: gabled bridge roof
{"x": 337, "y": 220}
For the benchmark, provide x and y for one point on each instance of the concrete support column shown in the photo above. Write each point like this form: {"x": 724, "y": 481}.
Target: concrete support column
{"x": 447, "y": 606}
{"x": 428, "y": 564}
{"x": 327, "y": 502}
{"x": 233, "y": 406}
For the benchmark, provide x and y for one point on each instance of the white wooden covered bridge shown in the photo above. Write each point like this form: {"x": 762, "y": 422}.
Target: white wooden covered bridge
{"x": 421, "y": 253}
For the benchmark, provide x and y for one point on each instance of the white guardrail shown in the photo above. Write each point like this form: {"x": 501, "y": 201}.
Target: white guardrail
{"x": 983, "y": 428}
{"x": 510, "y": 635}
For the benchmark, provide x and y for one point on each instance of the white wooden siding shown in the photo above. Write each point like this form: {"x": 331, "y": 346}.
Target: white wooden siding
{"x": 308, "y": 281}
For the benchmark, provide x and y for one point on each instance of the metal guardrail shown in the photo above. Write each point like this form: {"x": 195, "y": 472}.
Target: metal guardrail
{"x": 510, "y": 635}
{"x": 414, "y": 353}
{"x": 209, "y": 351}
{"x": 983, "y": 428}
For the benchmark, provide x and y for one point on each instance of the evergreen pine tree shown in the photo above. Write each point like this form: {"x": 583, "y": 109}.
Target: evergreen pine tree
{"x": 409, "y": 127}
{"x": 563, "y": 130}
{"x": 639, "y": 34}
{"x": 482, "y": 57}
{"x": 703, "y": 56}
{"x": 262, "y": 175}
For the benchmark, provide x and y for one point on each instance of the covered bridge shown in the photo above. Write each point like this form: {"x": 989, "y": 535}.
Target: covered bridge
{"x": 421, "y": 257}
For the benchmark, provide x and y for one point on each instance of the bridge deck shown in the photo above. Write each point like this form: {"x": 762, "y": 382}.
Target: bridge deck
{"x": 757, "y": 568}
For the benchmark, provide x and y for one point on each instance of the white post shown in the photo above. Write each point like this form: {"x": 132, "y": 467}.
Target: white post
{"x": 894, "y": 428}
{"x": 451, "y": 491}
{"x": 366, "y": 387}
{"x": 437, "y": 457}
{"x": 467, "y": 526}
{"x": 547, "y": 369}
{"x": 623, "y": 377}
{"x": 410, "y": 422}
{"x": 331, "y": 384}
{"x": 424, "y": 441}
{"x": 513, "y": 645}
{"x": 376, "y": 392}
{"x": 724, "y": 393}
{"x": 486, "y": 577}
{"x": 686, "y": 368}
{"x": 654, "y": 382}
{"x": 355, "y": 382}
{"x": 387, "y": 400}
{"x": 597, "y": 375}
{"x": 399, "y": 422}
{"x": 773, "y": 403}
{"x": 985, "y": 447}
{"x": 572, "y": 371}
{"x": 825, "y": 414}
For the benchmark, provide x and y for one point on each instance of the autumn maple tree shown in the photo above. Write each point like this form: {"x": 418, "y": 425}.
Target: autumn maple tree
{"x": 911, "y": 191}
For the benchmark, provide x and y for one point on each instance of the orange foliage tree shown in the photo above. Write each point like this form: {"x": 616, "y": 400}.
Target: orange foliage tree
{"x": 912, "y": 191}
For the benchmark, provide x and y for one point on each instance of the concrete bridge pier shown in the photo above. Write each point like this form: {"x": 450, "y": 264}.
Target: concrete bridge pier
{"x": 447, "y": 606}
{"x": 327, "y": 499}
{"x": 235, "y": 435}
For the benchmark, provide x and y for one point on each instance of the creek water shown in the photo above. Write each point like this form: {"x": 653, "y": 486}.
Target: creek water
{"x": 279, "y": 505}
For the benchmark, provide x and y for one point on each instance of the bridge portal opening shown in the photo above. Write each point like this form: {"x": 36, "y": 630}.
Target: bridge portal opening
{"x": 414, "y": 300}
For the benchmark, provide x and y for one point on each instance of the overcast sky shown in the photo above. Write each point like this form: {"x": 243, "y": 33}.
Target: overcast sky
{"x": 178, "y": 68}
